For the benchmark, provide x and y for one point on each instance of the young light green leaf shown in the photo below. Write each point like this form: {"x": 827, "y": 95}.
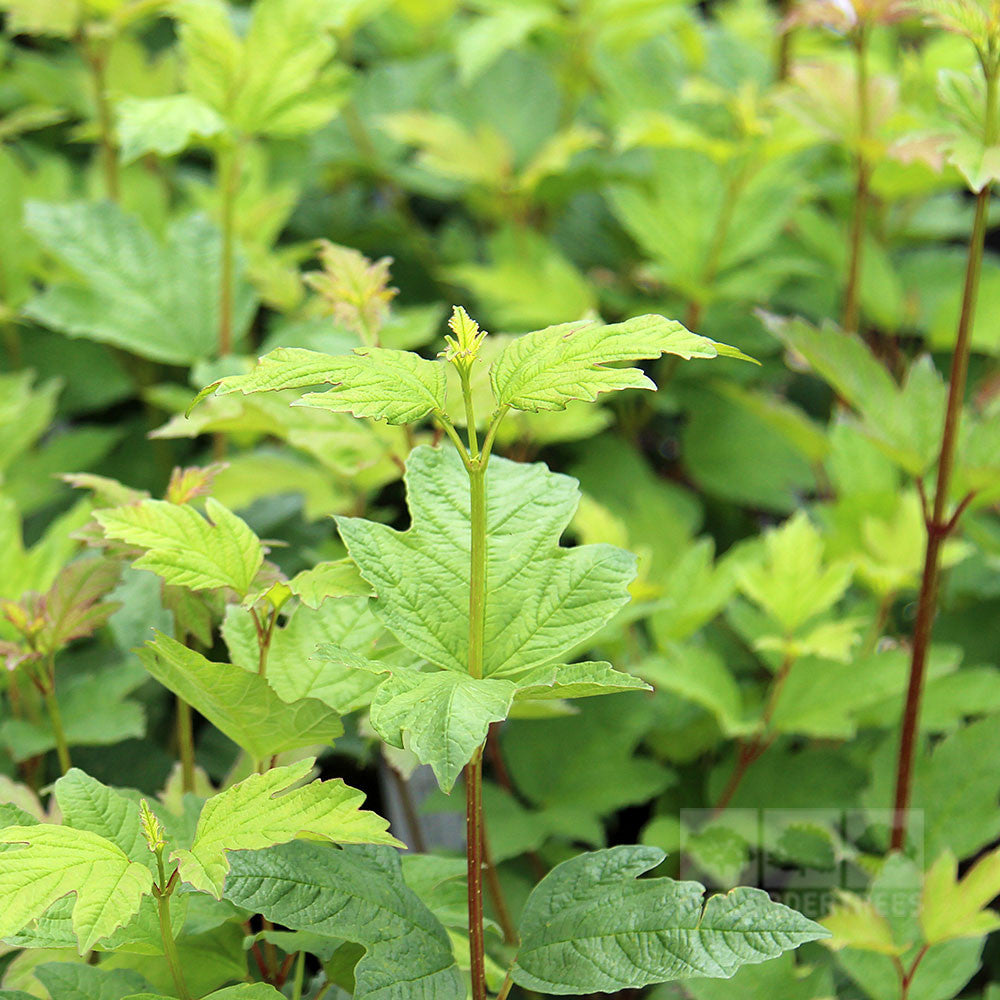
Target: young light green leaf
{"x": 953, "y": 908}
{"x": 336, "y": 578}
{"x": 358, "y": 894}
{"x": 239, "y": 702}
{"x": 421, "y": 576}
{"x": 160, "y": 301}
{"x": 184, "y": 547}
{"x": 792, "y": 583}
{"x": 591, "y": 925}
{"x": 243, "y": 991}
{"x": 48, "y": 862}
{"x": 164, "y": 125}
{"x": 264, "y": 810}
{"x": 547, "y": 369}
{"x": 396, "y": 386}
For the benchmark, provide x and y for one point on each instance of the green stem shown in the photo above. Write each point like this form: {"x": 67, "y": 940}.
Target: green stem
{"x": 55, "y": 717}
{"x": 861, "y": 193}
{"x": 477, "y": 568}
{"x": 229, "y": 175}
{"x": 508, "y": 985}
{"x": 163, "y": 892}
{"x": 300, "y": 972}
{"x": 185, "y": 744}
{"x": 96, "y": 56}
{"x": 937, "y": 525}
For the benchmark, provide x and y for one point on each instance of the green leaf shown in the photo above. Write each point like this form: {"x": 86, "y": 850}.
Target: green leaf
{"x": 358, "y": 894}
{"x": 957, "y": 908}
{"x": 421, "y": 576}
{"x": 157, "y": 300}
{"x": 244, "y": 991}
{"x": 337, "y": 578}
{"x": 591, "y": 925}
{"x": 47, "y": 862}
{"x": 295, "y": 667}
{"x": 792, "y": 583}
{"x": 576, "y": 680}
{"x": 239, "y": 703}
{"x": 163, "y": 125}
{"x": 547, "y": 369}
{"x": 264, "y": 810}
{"x": 76, "y": 981}
{"x": 442, "y": 716}
{"x": 184, "y": 547}
{"x": 396, "y": 386}
{"x": 274, "y": 80}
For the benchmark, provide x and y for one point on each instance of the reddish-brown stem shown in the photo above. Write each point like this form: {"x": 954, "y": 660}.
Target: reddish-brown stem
{"x": 474, "y": 869}
{"x": 938, "y": 526}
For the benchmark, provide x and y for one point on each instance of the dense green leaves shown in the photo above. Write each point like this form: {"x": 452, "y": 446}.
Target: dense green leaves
{"x": 358, "y": 894}
{"x": 527, "y": 507}
{"x": 591, "y": 924}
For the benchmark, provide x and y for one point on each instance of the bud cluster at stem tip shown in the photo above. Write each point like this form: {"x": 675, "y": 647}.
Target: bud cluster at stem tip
{"x": 463, "y": 347}
{"x": 152, "y": 828}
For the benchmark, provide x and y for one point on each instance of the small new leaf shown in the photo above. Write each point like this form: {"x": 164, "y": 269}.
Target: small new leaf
{"x": 549, "y": 368}
{"x": 591, "y": 925}
{"x": 186, "y": 549}
{"x": 957, "y": 908}
{"x": 264, "y": 810}
{"x": 48, "y": 862}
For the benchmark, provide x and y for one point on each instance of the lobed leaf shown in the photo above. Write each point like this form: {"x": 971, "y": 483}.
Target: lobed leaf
{"x": 592, "y": 926}
{"x": 186, "y": 549}
{"x": 395, "y": 386}
{"x": 264, "y": 810}
{"x": 45, "y": 863}
{"x": 549, "y": 368}
{"x": 421, "y": 576}
{"x": 356, "y": 894}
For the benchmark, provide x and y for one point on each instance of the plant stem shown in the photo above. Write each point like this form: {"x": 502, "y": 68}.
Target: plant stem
{"x": 508, "y": 985}
{"x": 229, "y": 175}
{"x": 55, "y": 717}
{"x": 185, "y": 744}
{"x": 300, "y": 972}
{"x": 162, "y": 893}
{"x": 96, "y": 56}
{"x": 474, "y": 868}
{"x": 861, "y": 191}
{"x": 938, "y": 526}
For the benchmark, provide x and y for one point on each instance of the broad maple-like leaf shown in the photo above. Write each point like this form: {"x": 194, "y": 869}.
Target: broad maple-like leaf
{"x": 264, "y": 810}
{"x": 542, "y": 599}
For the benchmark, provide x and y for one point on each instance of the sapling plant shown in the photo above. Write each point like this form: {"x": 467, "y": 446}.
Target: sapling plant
{"x": 487, "y": 604}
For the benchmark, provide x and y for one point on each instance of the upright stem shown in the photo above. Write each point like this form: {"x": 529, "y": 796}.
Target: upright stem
{"x": 300, "y": 972}
{"x": 861, "y": 193}
{"x": 938, "y": 526}
{"x": 185, "y": 744}
{"x": 95, "y": 53}
{"x": 55, "y": 717}
{"x": 229, "y": 175}
{"x": 162, "y": 893}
